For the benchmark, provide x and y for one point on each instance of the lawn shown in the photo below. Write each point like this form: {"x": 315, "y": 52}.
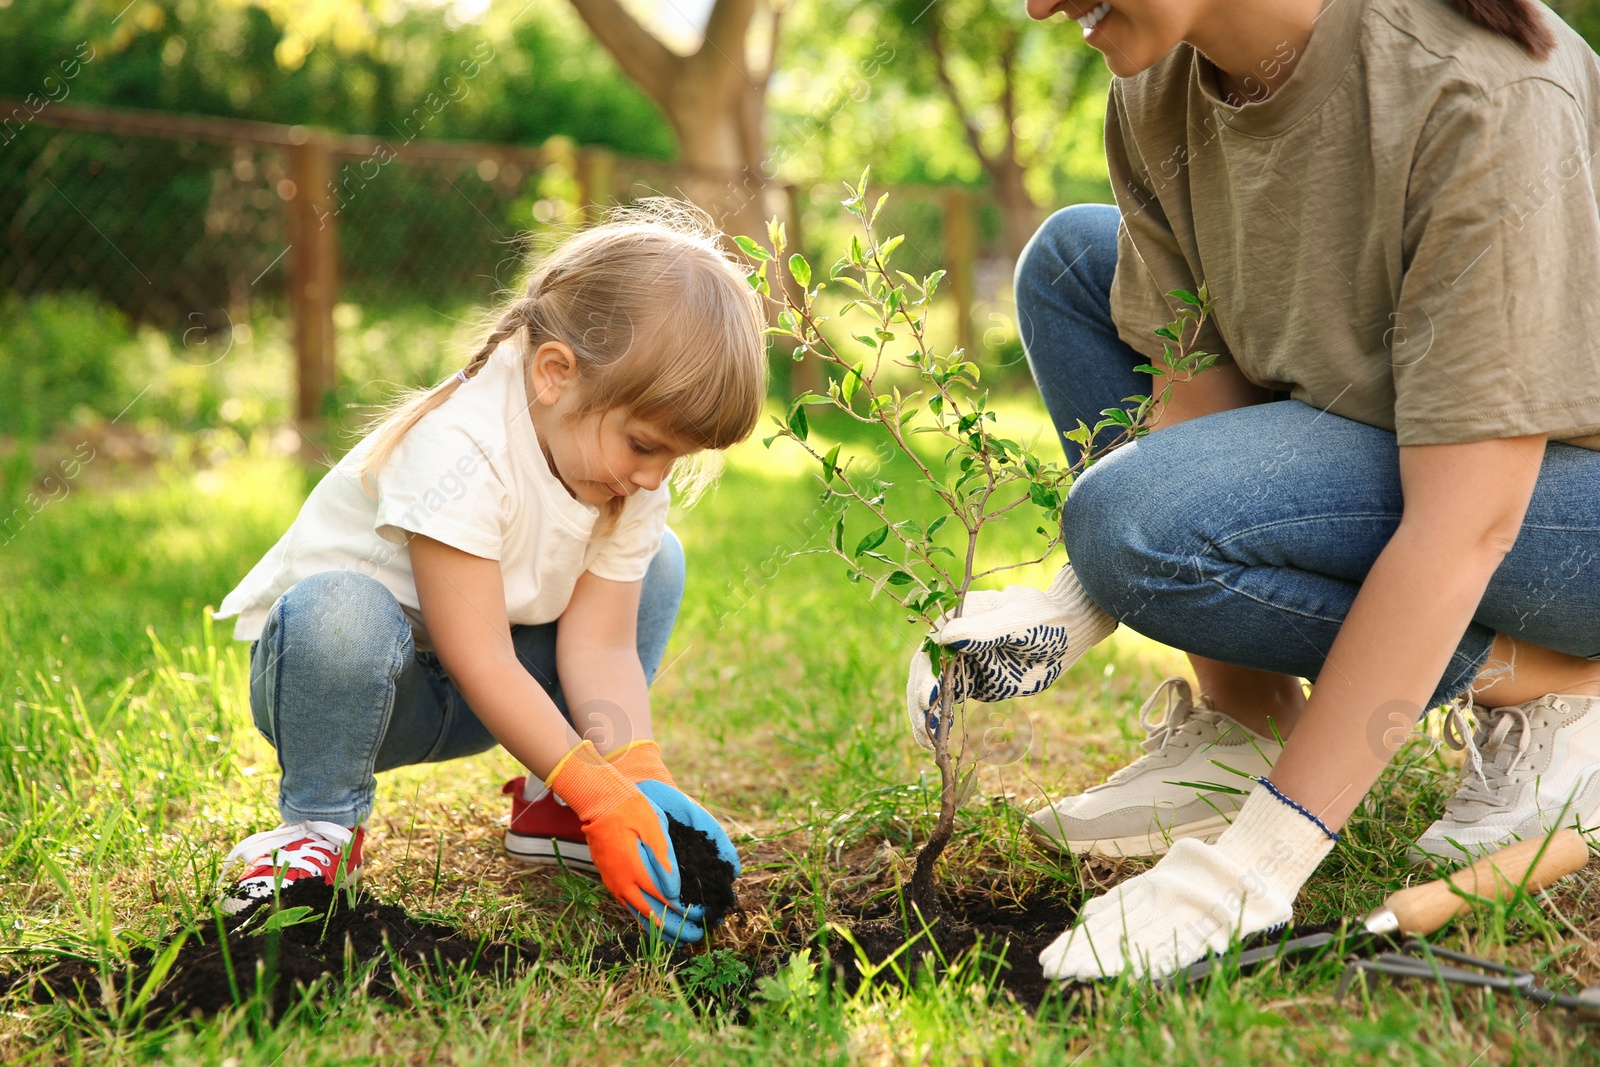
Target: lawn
{"x": 129, "y": 765}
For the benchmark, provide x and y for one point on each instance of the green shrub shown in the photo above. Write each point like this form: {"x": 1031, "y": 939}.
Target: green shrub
{"x": 60, "y": 355}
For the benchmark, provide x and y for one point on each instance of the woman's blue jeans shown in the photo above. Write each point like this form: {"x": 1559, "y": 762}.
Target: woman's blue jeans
{"x": 1245, "y": 535}
{"x": 339, "y": 688}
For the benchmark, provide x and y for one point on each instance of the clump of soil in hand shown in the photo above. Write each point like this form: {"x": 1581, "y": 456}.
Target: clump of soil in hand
{"x": 707, "y": 877}
{"x": 357, "y": 937}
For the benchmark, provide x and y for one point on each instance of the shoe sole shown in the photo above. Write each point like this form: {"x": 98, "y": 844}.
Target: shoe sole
{"x": 550, "y": 852}
{"x": 236, "y": 905}
{"x": 1138, "y": 846}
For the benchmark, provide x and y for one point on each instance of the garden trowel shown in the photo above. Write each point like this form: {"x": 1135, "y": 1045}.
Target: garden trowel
{"x": 1419, "y": 910}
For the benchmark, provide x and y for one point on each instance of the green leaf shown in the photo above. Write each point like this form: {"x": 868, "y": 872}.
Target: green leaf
{"x": 872, "y": 540}
{"x": 797, "y": 421}
{"x": 900, "y": 578}
{"x": 1043, "y": 495}
{"x": 752, "y": 248}
{"x": 830, "y": 464}
{"x": 852, "y": 381}
{"x": 857, "y": 256}
{"x": 777, "y": 234}
{"x": 937, "y": 524}
{"x": 1186, "y": 296}
{"x": 1166, "y": 331}
{"x": 801, "y": 270}
{"x": 1117, "y": 416}
{"x": 288, "y": 917}
{"x": 888, "y": 247}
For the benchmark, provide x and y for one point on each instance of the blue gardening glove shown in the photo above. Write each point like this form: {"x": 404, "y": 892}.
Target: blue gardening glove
{"x": 641, "y": 762}
{"x": 1012, "y": 643}
{"x": 678, "y": 805}
{"x": 628, "y": 841}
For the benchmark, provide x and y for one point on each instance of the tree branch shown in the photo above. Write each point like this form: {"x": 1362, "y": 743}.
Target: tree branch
{"x": 941, "y": 68}
{"x": 646, "y": 62}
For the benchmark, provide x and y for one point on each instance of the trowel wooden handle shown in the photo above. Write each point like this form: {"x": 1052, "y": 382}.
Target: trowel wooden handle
{"x": 1422, "y": 909}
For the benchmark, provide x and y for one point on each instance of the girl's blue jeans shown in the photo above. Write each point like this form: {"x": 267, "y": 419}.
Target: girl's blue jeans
{"x": 339, "y": 688}
{"x": 1245, "y": 535}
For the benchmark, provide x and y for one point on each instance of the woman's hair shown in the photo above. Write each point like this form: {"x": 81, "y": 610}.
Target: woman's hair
{"x": 662, "y": 321}
{"x": 1516, "y": 19}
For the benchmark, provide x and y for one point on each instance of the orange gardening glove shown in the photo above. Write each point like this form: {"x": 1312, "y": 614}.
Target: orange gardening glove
{"x": 627, "y": 835}
{"x": 640, "y": 761}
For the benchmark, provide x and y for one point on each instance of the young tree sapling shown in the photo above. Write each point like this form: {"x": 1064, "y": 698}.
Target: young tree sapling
{"x": 890, "y": 378}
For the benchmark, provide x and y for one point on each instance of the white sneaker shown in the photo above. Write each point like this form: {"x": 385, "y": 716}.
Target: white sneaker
{"x": 1180, "y": 788}
{"x": 1530, "y": 769}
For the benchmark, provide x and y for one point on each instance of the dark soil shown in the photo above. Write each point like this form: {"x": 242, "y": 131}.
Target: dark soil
{"x": 1011, "y": 939}
{"x": 355, "y": 939}
{"x": 707, "y": 877}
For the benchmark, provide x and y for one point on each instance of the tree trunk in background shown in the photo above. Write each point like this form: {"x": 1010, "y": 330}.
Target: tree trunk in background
{"x": 714, "y": 101}
{"x": 1019, "y": 215}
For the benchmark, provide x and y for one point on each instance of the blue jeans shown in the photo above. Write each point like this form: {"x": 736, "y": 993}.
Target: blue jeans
{"x": 339, "y": 688}
{"x": 1245, "y": 535}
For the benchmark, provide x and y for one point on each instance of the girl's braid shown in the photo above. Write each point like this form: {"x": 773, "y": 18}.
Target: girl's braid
{"x": 519, "y": 315}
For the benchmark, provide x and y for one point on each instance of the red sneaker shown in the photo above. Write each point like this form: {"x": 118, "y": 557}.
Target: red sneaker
{"x": 545, "y": 830}
{"x": 279, "y": 858}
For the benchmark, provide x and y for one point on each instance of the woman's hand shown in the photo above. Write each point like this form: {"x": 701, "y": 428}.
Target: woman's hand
{"x": 1198, "y": 898}
{"x": 1012, "y": 643}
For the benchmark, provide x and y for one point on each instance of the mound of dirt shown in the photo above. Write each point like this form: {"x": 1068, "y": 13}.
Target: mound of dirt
{"x": 707, "y": 877}
{"x": 278, "y": 962}
{"x": 1011, "y": 938}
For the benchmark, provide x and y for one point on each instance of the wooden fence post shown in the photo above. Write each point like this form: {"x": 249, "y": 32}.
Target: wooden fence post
{"x": 313, "y": 281}
{"x": 596, "y": 167}
{"x": 960, "y": 257}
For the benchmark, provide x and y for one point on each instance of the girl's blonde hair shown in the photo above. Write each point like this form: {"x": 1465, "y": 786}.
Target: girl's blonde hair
{"x": 662, "y": 321}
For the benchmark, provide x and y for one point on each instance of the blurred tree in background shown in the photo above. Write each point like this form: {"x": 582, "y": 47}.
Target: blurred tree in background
{"x": 362, "y": 72}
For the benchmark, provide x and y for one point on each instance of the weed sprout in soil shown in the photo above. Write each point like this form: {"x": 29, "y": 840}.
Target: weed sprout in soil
{"x": 927, "y": 562}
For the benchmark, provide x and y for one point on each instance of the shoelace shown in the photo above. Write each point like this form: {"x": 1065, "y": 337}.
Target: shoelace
{"x": 1178, "y": 712}
{"x": 1485, "y": 779}
{"x": 327, "y": 838}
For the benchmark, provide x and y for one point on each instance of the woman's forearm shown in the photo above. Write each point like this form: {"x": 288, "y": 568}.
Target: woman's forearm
{"x": 1395, "y": 644}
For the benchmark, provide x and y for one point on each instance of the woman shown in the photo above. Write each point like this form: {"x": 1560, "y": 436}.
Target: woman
{"x": 1389, "y": 483}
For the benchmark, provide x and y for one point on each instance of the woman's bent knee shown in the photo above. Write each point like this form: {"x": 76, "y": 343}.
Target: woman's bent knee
{"x": 1058, "y": 244}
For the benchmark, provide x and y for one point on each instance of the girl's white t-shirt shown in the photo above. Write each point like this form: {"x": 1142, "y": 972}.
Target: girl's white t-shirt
{"x": 469, "y": 474}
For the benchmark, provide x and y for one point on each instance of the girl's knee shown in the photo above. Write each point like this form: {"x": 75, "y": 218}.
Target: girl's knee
{"x": 340, "y": 620}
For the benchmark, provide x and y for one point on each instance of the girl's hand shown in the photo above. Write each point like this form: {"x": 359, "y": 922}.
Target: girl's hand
{"x": 678, "y": 805}
{"x": 628, "y": 841}
{"x": 641, "y": 762}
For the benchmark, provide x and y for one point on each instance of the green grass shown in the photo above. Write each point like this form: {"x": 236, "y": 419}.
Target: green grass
{"x": 128, "y": 766}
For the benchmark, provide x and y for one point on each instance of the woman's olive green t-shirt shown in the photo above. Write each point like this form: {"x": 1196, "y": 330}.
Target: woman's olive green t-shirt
{"x": 1406, "y": 233}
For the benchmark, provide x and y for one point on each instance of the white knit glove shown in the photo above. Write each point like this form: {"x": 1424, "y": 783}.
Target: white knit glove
{"x": 1198, "y": 898}
{"x": 1013, "y": 643}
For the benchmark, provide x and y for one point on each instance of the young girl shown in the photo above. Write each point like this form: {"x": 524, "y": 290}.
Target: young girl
{"x": 1389, "y": 484}
{"x": 492, "y": 564}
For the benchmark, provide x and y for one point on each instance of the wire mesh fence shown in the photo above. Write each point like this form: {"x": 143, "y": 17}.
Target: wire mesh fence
{"x": 195, "y": 225}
